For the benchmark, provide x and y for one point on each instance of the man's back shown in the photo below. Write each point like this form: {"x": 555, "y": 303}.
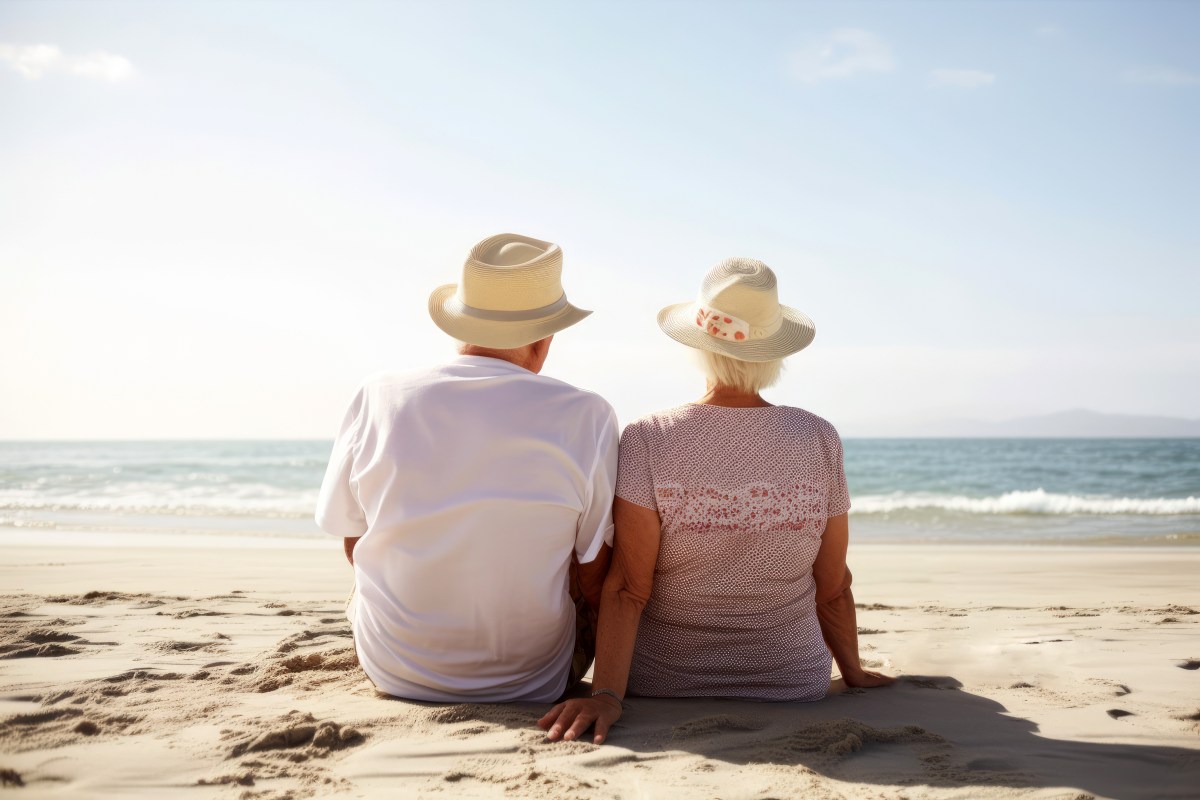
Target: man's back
{"x": 470, "y": 484}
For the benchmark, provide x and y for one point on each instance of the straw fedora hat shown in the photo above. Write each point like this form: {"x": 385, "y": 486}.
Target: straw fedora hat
{"x": 511, "y": 294}
{"x": 738, "y": 315}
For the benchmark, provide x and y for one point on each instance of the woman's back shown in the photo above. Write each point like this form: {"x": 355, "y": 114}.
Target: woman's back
{"x": 743, "y": 495}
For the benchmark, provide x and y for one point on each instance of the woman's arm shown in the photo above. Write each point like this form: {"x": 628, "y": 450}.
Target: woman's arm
{"x": 626, "y": 592}
{"x": 835, "y": 605}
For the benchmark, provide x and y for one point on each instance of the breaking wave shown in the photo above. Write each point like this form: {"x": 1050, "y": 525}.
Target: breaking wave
{"x": 288, "y": 507}
{"x": 1036, "y": 501}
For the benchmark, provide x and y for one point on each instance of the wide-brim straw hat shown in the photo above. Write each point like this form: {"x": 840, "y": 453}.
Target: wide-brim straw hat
{"x": 738, "y": 314}
{"x": 510, "y": 295}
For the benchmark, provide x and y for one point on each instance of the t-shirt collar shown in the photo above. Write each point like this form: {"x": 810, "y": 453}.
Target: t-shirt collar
{"x": 498, "y": 364}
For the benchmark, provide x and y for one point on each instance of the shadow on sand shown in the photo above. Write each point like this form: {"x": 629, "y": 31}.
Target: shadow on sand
{"x": 924, "y": 730}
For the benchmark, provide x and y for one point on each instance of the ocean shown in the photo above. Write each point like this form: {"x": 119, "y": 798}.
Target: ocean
{"x": 1115, "y": 492}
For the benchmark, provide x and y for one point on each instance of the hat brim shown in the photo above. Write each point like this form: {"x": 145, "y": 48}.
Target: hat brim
{"x": 795, "y": 333}
{"x": 447, "y": 313}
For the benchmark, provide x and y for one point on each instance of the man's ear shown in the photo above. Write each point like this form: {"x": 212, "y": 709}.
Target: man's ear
{"x": 541, "y": 350}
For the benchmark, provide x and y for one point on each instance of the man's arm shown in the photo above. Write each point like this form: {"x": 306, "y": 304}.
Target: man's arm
{"x": 592, "y": 575}
{"x": 348, "y": 543}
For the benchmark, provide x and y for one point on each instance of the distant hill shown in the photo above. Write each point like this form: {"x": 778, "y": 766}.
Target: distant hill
{"x": 1068, "y": 424}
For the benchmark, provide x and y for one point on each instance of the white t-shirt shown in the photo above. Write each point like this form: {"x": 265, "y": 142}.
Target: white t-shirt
{"x": 471, "y": 484}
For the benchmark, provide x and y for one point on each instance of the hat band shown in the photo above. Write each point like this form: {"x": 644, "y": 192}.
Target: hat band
{"x": 521, "y": 315}
{"x": 720, "y": 325}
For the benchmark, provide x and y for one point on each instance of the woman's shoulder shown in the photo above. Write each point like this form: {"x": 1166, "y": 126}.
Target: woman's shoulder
{"x": 656, "y": 422}
{"x": 809, "y": 421}
{"x": 692, "y": 420}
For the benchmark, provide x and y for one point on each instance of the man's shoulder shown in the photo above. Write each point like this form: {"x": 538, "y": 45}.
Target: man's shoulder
{"x": 579, "y": 399}
{"x": 383, "y": 379}
{"x": 451, "y": 377}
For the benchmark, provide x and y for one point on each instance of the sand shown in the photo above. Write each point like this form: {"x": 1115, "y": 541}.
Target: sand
{"x": 132, "y": 672}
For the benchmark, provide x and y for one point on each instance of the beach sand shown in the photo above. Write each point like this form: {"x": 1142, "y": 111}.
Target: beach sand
{"x": 229, "y": 673}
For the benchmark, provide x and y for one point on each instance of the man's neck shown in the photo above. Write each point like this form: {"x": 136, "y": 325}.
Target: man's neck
{"x": 518, "y": 357}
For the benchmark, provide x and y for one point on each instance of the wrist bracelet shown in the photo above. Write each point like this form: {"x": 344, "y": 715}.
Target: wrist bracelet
{"x": 611, "y": 694}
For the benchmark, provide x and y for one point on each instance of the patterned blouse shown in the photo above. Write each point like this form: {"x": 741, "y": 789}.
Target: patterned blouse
{"x": 742, "y": 496}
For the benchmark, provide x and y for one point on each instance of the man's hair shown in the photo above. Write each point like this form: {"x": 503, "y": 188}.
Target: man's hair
{"x": 749, "y": 376}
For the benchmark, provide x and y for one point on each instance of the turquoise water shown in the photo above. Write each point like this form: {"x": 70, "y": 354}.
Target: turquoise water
{"x": 1118, "y": 491}
{"x": 1096, "y": 491}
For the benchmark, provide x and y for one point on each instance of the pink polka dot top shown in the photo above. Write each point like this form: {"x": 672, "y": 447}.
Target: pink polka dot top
{"x": 742, "y": 495}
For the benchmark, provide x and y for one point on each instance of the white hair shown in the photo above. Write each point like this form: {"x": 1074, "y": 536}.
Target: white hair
{"x": 749, "y": 376}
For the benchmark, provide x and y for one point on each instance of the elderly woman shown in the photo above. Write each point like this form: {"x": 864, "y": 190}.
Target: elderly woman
{"x": 729, "y": 573}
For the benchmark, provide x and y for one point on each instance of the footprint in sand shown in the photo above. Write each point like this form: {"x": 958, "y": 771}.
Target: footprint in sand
{"x": 41, "y": 651}
{"x": 87, "y": 728}
{"x": 184, "y": 647}
{"x": 720, "y": 723}
{"x": 10, "y": 777}
{"x": 137, "y": 675}
{"x": 59, "y": 726}
{"x": 39, "y": 718}
{"x": 46, "y": 635}
{"x": 1191, "y": 663}
{"x": 926, "y": 683}
{"x": 1117, "y": 713}
{"x": 42, "y": 642}
{"x": 296, "y": 731}
{"x": 109, "y": 597}
{"x": 1117, "y": 689}
{"x": 478, "y": 712}
{"x": 840, "y": 737}
{"x": 244, "y": 779}
{"x": 197, "y": 612}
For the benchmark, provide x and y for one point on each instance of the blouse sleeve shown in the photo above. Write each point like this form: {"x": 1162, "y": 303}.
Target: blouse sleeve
{"x": 839, "y": 492}
{"x": 635, "y": 482}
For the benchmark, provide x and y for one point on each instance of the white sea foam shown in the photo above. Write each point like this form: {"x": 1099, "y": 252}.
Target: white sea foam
{"x": 296, "y": 506}
{"x": 1036, "y": 501}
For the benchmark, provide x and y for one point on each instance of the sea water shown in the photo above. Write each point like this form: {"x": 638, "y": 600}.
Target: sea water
{"x": 1049, "y": 491}
{"x": 1115, "y": 491}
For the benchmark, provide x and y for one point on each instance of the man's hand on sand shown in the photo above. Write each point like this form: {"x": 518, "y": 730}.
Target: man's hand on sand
{"x": 866, "y": 679}
{"x": 571, "y": 719}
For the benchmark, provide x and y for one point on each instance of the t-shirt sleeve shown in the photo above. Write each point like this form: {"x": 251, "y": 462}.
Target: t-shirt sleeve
{"x": 595, "y": 523}
{"x": 839, "y": 492}
{"x": 339, "y": 512}
{"x": 634, "y": 480}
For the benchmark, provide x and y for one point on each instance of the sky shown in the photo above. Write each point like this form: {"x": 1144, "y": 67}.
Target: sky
{"x": 217, "y": 218}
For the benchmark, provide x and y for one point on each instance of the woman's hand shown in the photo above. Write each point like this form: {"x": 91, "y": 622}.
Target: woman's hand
{"x": 571, "y": 719}
{"x": 866, "y": 679}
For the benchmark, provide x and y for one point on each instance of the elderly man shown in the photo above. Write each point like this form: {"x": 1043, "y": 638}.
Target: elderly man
{"x": 472, "y": 495}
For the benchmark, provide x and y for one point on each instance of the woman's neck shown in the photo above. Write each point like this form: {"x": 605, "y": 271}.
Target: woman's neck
{"x": 720, "y": 395}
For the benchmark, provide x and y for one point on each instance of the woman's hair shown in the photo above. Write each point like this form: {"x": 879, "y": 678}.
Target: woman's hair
{"x": 749, "y": 376}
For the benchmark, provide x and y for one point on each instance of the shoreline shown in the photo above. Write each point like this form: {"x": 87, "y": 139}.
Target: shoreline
{"x": 263, "y": 537}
